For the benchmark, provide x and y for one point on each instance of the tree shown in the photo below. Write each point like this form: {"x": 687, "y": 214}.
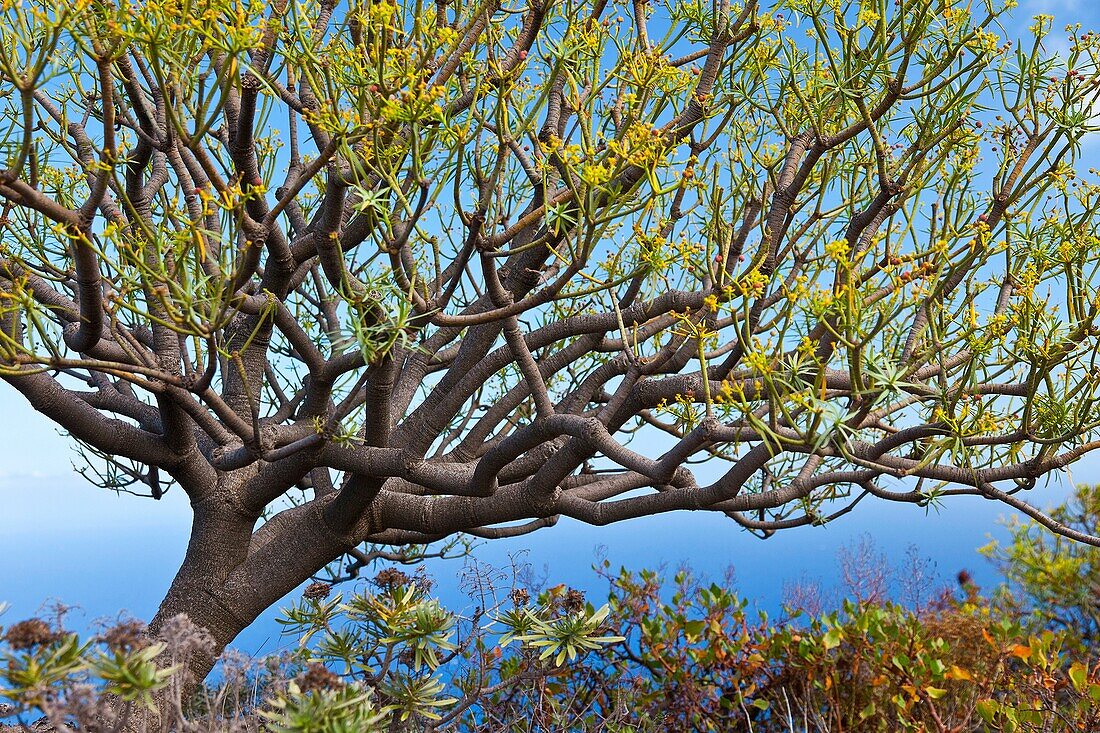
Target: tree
{"x": 376, "y": 273}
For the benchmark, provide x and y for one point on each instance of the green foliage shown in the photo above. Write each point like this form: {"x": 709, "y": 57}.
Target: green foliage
{"x": 31, "y": 672}
{"x": 1054, "y": 577}
{"x": 662, "y": 654}
{"x": 401, "y": 641}
{"x": 566, "y": 636}
{"x": 346, "y": 709}
{"x": 133, "y": 675}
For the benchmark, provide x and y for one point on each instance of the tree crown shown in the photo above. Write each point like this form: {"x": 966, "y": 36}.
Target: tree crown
{"x": 449, "y": 267}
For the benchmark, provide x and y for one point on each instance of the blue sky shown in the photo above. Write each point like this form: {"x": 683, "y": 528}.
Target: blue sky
{"x": 62, "y": 539}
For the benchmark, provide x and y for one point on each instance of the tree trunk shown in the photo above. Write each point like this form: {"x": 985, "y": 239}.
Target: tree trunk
{"x": 231, "y": 575}
{"x": 218, "y": 544}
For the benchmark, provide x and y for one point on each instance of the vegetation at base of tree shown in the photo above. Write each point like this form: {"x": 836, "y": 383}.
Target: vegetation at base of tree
{"x": 665, "y": 652}
{"x": 360, "y": 275}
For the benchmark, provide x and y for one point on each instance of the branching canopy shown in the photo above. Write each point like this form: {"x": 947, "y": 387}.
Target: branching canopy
{"x": 474, "y": 266}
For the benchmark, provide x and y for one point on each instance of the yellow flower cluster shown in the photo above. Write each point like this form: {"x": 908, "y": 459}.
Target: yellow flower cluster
{"x": 758, "y": 361}
{"x": 955, "y": 16}
{"x": 985, "y": 42}
{"x": 1042, "y": 25}
{"x": 596, "y": 174}
{"x": 1027, "y": 279}
{"x": 640, "y": 145}
{"x": 751, "y": 283}
{"x": 800, "y": 289}
{"x": 648, "y": 70}
{"x": 766, "y": 53}
{"x": 416, "y": 103}
{"x": 725, "y": 392}
{"x": 382, "y": 12}
{"x": 1062, "y": 174}
{"x": 867, "y": 16}
{"x": 838, "y": 249}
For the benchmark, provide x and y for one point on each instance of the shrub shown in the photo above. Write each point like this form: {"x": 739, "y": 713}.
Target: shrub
{"x": 662, "y": 654}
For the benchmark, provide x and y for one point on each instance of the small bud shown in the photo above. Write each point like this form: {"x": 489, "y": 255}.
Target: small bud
{"x": 319, "y": 677}
{"x": 316, "y": 591}
{"x": 29, "y": 634}
{"x": 126, "y": 637}
{"x": 389, "y": 578}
